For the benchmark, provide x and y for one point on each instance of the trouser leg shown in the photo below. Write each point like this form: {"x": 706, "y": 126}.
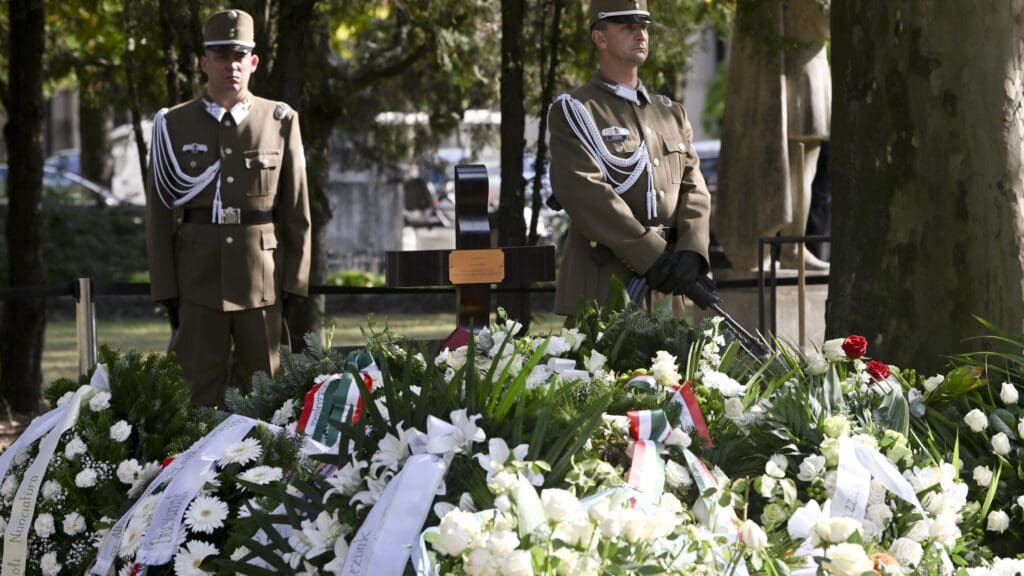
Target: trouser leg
{"x": 203, "y": 347}
{"x": 257, "y": 336}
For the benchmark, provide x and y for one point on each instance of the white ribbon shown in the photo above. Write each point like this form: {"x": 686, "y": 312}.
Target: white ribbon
{"x": 24, "y": 506}
{"x": 160, "y": 541}
{"x": 173, "y": 186}
{"x": 857, "y": 465}
{"x": 383, "y": 543}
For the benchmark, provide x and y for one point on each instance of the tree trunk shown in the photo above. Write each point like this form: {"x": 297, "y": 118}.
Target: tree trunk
{"x": 928, "y": 181}
{"x": 24, "y": 321}
{"x": 511, "y": 226}
{"x": 549, "y": 57}
{"x": 95, "y": 121}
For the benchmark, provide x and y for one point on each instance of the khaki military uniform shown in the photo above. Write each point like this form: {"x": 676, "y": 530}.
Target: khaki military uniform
{"x": 619, "y": 235}
{"x": 229, "y": 277}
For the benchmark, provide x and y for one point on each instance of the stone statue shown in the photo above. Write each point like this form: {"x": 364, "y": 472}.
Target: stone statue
{"x": 779, "y": 96}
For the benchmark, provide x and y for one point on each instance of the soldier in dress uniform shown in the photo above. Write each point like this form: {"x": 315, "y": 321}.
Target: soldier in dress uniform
{"x": 624, "y": 169}
{"x": 227, "y": 216}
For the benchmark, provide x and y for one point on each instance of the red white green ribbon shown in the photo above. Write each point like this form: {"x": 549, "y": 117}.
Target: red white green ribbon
{"x": 335, "y": 396}
{"x": 690, "y": 415}
{"x": 702, "y": 476}
{"x": 643, "y": 382}
{"x": 649, "y": 428}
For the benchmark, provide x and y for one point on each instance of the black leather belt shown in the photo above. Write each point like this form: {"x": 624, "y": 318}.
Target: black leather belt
{"x": 228, "y": 216}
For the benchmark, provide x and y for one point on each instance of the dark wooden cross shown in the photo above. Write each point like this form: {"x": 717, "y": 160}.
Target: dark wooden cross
{"x": 474, "y": 264}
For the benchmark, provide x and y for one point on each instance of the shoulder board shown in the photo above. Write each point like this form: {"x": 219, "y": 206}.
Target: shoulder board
{"x": 281, "y": 111}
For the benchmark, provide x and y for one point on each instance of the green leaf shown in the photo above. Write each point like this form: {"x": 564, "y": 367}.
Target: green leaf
{"x": 895, "y": 412}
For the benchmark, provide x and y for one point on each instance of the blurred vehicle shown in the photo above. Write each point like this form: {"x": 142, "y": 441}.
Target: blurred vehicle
{"x": 707, "y": 151}
{"x": 63, "y": 182}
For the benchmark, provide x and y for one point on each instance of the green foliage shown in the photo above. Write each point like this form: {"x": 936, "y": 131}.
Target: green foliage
{"x": 356, "y": 278}
{"x": 103, "y": 243}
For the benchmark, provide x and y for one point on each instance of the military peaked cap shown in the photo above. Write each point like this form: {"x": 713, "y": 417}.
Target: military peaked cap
{"x": 622, "y": 11}
{"x": 230, "y": 29}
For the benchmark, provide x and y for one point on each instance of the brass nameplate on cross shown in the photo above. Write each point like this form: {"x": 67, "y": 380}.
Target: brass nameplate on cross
{"x": 476, "y": 266}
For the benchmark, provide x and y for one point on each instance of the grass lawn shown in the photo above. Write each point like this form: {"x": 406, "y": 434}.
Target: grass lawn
{"x": 60, "y": 356}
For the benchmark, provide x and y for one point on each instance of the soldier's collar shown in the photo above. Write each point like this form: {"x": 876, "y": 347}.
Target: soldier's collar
{"x": 238, "y": 111}
{"x": 625, "y": 92}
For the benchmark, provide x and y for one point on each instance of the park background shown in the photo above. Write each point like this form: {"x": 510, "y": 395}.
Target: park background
{"x": 926, "y": 166}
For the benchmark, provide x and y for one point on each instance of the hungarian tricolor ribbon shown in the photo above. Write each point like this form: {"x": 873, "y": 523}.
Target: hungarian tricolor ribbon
{"x": 336, "y": 397}
{"x": 643, "y": 382}
{"x": 648, "y": 428}
{"x": 690, "y": 415}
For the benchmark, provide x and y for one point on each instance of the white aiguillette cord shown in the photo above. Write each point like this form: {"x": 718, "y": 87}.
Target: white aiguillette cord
{"x": 583, "y": 126}
{"x": 173, "y": 186}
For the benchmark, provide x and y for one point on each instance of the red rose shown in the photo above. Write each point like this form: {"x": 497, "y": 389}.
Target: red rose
{"x": 855, "y": 346}
{"x": 878, "y": 370}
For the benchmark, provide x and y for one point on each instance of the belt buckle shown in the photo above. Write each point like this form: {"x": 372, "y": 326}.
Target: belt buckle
{"x": 230, "y": 216}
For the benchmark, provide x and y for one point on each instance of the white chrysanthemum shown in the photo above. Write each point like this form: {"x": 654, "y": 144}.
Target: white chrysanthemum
{"x": 206, "y": 514}
{"x": 191, "y": 556}
{"x": 48, "y": 564}
{"x": 86, "y": 478}
{"x": 74, "y": 448}
{"x": 724, "y": 383}
{"x": 261, "y": 475}
{"x": 283, "y": 415}
{"x": 243, "y": 452}
{"x": 74, "y": 523}
{"x": 44, "y": 525}
{"x": 128, "y": 471}
{"x": 120, "y": 431}
{"x": 665, "y": 369}
{"x": 100, "y": 401}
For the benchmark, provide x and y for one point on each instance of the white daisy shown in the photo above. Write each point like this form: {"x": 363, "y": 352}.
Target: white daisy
{"x": 261, "y": 475}
{"x": 206, "y": 514}
{"x": 191, "y": 556}
{"x": 131, "y": 538}
{"x": 242, "y": 453}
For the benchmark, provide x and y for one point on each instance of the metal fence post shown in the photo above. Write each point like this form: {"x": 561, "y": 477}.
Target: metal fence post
{"x": 85, "y": 325}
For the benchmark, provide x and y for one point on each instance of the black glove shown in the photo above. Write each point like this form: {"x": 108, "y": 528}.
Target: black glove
{"x": 287, "y": 303}
{"x": 675, "y": 272}
{"x": 703, "y": 293}
{"x": 172, "y": 305}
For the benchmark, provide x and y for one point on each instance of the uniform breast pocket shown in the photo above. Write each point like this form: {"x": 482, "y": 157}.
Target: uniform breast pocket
{"x": 674, "y": 150}
{"x": 267, "y": 163}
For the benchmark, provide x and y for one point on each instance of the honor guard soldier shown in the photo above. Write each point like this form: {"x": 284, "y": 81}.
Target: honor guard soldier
{"x": 624, "y": 169}
{"x": 227, "y": 216}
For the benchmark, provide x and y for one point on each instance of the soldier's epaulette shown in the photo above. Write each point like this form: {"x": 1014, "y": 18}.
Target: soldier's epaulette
{"x": 281, "y": 111}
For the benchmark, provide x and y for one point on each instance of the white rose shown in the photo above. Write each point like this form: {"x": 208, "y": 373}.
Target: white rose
{"x": 906, "y": 551}
{"x": 976, "y": 420}
{"x": 518, "y": 563}
{"x": 86, "y": 478}
{"x": 1020, "y": 428}
{"x": 982, "y": 475}
{"x": 1001, "y": 444}
{"x": 74, "y": 523}
{"x": 503, "y": 503}
{"x": 100, "y": 401}
{"x": 559, "y": 504}
{"x": 811, "y": 468}
{"x": 753, "y": 536}
{"x": 611, "y": 527}
{"x": 120, "y": 431}
{"x": 502, "y": 542}
{"x": 733, "y": 408}
{"x": 456, "y": 531}
{"x": 933, "y": 382}
{"x": 577, "y": 531}
{"x": 919, "y": 530}
{"x": 816, "y": 364}
{"x": 944, "y": 529}
{"x": 44, "y": 526}
{"x": 1020, "y": 501}
{"x": 835, "y": 426}
{"x": 998, "y": 521}
{"x": 678, "y": 476}
{"x": 833, "y": 349}
{"x": 880, "y": 514}
{"x": 836, "y": 530}
{"x": 724, "y": 383}
{"x": 848, "y": 560}
{"x": 678, "y": 438}
{"x": 1008, "y": 393}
